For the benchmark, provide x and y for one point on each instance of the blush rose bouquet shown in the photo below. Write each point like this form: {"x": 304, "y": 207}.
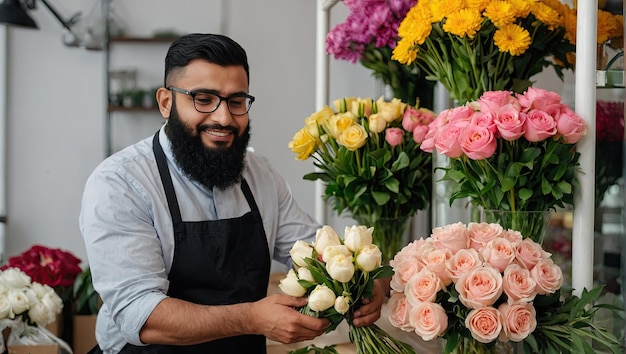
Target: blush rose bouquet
{"x": 49, "y": 266}
{"x": 26, "y": 307}
{"x": 336, "y": 274}
{"x": 368, "y": 155}
{"x": 511, "y": 152}
{"x": 479, "y": 286}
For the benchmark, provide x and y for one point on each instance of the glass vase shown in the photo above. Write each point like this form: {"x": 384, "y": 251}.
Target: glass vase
{"x": 472, "y": 346}
{"x": 531, "y": 224}
{"x": 390, "y": 234}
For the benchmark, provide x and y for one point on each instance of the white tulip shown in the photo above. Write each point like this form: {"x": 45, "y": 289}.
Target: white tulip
{"x": 357, "y": 236}
{"x": 290, "y": 286}
{"x": 332, "y": 251}
{"x": 342, "y": 304}
{"x": 300, "y": 251}
{"x": 369, "y": 258}
{"x": 340, "y": 268}
{"x": 324, "y": 237}
{"x": 305, "y": 274}
{"x": 321, "y": 298}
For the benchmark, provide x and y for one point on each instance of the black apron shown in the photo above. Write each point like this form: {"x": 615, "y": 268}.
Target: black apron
{"x": 216, "y": 262}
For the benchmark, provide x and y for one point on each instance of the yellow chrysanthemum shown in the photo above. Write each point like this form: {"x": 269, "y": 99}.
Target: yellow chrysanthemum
{"x": 464, "y": 22}
{"x": 479, "y": 5}
{"x": 512, "y": 38}
{"x": 557, "y": 5}
{"x": 416, "y": 26}
{"x": 521, "y": 7}
{"x": 547, "y": 15}
{"x": 569, "y": 21}
{"x": 405, "y": 52}
{"x": 439, "y": 9}
{"x": 606, "y": 26}
{"x": 500, "y": 12}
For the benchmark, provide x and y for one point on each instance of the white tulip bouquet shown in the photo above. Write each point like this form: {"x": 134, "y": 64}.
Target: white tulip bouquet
{"x": 336, "y": 274}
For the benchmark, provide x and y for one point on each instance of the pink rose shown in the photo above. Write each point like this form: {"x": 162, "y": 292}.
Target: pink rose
{"x": 514, "y": 236}
{"x": 571, "y": 126}
{"x": 510, "y": 123}
{"x": 529, "y": 253}
{"x": 422, "y": 286}
{"x": 429, "y": 320}
{"x": 485, "y": 120}
{"x": 434, "y": 127}
{"x": 484, "y": 323}
{"x": 447, "y": 140}
{"x": 518, "y": 284}
{"x": 462, "y": 262}
{"x": 518, "y": 320}
{"x": 478, "y": 143}
{"x": 536, "y": 98}
{"x": 419, "y": 133}
{"x": 480, "y": 287}
{"x": 461, "y": 114}
{"x": 436, "y": 261}
{"x": 499, "y": 253}
{"x": 404, "y": 269}
{"x": 399, "y": 310}
{"x": 410, "y": 119}
{"x": 539, "y": 126}
{"x": 453, "y": 237}
{"x": 549, "y": 276}
{"x": 481, "y": 233}
{"x": 394, "y": 136}
{"x": 493, "y": 100}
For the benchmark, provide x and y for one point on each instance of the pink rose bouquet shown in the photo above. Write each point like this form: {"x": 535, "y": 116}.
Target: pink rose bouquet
{"x": 511, "y": 152}
{"x": 480, "y": 285}
{"x": 369, "y": 158}
{"x": 336, "y": 274}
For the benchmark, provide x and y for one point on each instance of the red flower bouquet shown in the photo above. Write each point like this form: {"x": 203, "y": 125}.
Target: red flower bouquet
{"x": 48, "y": 266}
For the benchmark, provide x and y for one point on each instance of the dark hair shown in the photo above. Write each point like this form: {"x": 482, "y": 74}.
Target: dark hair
{"x": 214, "y": 48}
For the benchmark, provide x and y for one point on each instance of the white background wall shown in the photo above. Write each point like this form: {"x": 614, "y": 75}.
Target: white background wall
{"x": 56, "y": 100}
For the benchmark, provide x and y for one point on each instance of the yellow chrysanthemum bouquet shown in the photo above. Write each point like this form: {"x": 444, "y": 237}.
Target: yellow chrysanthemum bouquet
{"x": 473, "y": 46}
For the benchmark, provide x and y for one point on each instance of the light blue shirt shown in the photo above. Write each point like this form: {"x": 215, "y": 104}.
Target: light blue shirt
{"x": 127, "y": 229}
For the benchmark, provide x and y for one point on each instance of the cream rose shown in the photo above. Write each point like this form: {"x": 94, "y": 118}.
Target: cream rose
{"x": 333, "y": 250}
{"x": 353, "y": 138}
{"x": 369, "y": 258}
{"x": 324, "y": 237}
{"x": 518, "y": 320}
{"x": 462, "y": 262}
{"x": 549, "y": 276}
{"x": 19, "y": 301}
{"x": 429, "y": 320}
{"x": 290, "y": 285}
{"x": 321, "y": 298}
{"x": 376, "y": 123}
{"x": 13, "y": 278}
{"x": 305, "y": 274}
{"x": 299, "y": 252}
{"x": 39, "y": 314}
{"x": 485, "y": 324}
{"x": 5, "y": 307}
{"x": 340, "y": 268}
{"x": 518, "y": 285}
{"x": 399, "y": 309}
{"x": 342, "y": 304}
{"x": 357, "y": 236}
{"x": 480, "y": 287}
{"x": 423, "y": 286}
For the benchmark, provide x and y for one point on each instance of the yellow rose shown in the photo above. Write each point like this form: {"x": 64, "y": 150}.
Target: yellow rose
{"x": 353, "y": 138}
{"x": 392, "y": 110}
{"x": 303, "y": 144}
{"x": 376, "y": 123}
{"x": 343, "y": 104}
{"x": 338, "y": 123}
{"x": 361, "y": 107}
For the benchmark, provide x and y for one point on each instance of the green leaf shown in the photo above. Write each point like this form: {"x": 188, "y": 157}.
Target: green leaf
{"x": 381, "y": 198}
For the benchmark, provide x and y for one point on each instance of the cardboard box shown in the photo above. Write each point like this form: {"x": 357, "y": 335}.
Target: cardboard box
{"x": 84, "y": 333}
{"x": 34, "y": 349}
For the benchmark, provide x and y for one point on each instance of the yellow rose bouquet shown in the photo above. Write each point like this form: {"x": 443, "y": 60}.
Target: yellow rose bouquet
{"x": 477, "y": 46}
{"x": 369, "y": 158}
{"x": 336, "y": 274}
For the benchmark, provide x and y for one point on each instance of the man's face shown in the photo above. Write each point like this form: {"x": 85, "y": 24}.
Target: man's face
{"x": 209, "y": 147}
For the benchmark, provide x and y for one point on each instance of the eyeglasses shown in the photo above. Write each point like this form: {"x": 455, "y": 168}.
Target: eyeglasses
{"x": 205, "y": 102}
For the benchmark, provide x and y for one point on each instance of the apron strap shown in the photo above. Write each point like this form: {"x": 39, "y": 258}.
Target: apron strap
{"x": 164, "y": 172}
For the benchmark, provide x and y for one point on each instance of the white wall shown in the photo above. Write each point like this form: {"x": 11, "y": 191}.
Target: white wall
{"x": 56, "y": 101}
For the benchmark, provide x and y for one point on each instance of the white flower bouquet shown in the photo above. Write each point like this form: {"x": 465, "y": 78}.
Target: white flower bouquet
{"x": 336, "y": 274}
{"x": 26, "y": 307}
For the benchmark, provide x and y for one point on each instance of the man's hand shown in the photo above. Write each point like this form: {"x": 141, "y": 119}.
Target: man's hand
{"x": 370, "y": 311}
{"x": 276, "y": 318}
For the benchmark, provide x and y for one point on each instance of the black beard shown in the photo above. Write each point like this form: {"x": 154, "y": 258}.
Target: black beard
{"x": 219, "y": 167}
